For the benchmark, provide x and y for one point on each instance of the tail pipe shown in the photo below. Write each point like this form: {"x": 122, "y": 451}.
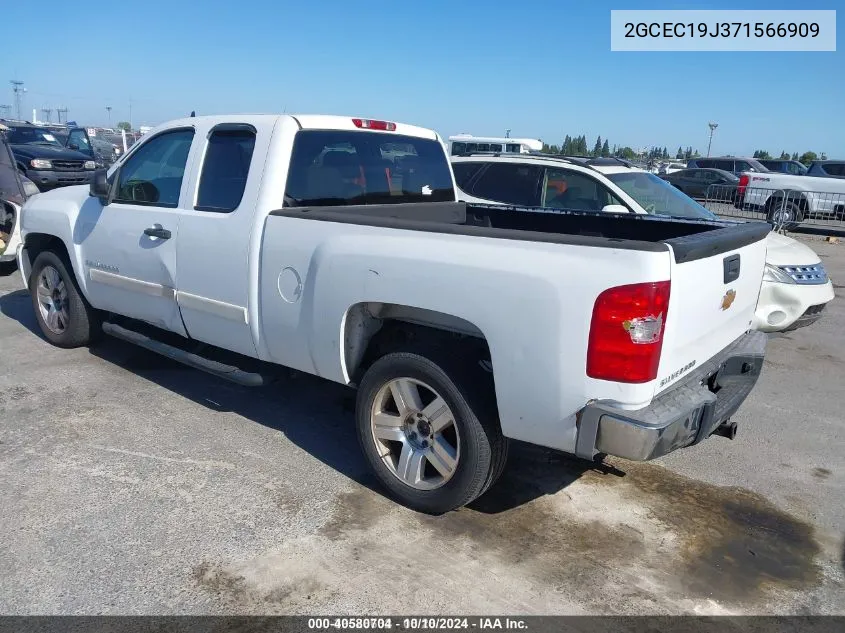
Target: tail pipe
{"x": 726, "y": 429}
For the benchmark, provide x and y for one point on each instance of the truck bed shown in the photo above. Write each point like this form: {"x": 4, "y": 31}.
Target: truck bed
{"x": 689, "y": 239}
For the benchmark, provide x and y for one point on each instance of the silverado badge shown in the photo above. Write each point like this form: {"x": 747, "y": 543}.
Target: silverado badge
{"x": 728, "y": 299}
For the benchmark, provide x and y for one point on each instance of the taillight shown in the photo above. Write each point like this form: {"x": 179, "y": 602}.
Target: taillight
{"x": 370, "y": 124}
{"x": 743, "y": 183}
{"x": 626, "y": 332}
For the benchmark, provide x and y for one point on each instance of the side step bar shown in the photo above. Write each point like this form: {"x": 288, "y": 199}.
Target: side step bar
{"x": 227, "y": 372}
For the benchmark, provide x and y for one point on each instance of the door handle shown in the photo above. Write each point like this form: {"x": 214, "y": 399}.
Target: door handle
{"x": 159, "y": 232}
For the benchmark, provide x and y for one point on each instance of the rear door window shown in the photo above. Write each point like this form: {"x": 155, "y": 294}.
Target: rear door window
{"x": 225, "y": 169}
{"x": 337, "y": 167}
{"x": 509, "y": 183}
{"x": 834, "y": 169}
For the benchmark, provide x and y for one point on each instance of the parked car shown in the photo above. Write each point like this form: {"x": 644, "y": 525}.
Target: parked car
{"x": 364, "y": 269}
{"x": 103, "y": 152}
{"x": 827, "y": 168}
{"x": 41, "y": 158}
{"x": 732, "y": 164}
{"x": 14, "y": 190}
{"x": 699, "y": 183}
{"x": 793, "y": 167}
{"x": 788, "y": 200}
{"x": 669, "y": 168}
{"x": 795, "y": 287}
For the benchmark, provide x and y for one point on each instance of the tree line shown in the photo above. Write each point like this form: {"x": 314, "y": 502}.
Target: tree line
{"x": 806, "y": 157}
{"x": 577, "y": 146}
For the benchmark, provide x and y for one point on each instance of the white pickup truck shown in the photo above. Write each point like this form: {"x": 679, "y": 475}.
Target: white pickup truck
{"x": 335, "y": 246}
{"x": 788, "y": 200}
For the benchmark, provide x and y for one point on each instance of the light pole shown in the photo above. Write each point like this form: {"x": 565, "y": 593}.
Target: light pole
{"x": 19, "y": 90}
{"x": 712, "y": 127}
{"x": 507, "y": 133}
{"x": 108, "y": 109}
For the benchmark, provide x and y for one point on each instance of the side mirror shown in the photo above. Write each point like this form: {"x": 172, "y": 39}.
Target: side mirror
{"x": 100, "y": 185}
{"x": 615, "y": 208}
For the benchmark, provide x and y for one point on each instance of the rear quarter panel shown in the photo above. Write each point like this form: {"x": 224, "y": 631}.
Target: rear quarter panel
{"x": 532, "y": 302}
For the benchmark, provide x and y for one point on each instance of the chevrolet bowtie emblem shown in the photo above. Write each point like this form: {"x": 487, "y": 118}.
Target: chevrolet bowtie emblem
{"x": 728, "y": 299}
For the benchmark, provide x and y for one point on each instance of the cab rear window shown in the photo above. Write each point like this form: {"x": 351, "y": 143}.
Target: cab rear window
{"x": 335, "y": 167}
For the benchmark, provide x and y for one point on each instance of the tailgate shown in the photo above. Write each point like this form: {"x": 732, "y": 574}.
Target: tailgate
{"x": 716, "y": 279}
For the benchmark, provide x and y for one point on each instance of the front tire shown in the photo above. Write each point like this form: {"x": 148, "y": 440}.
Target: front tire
{"x": 429, "y": 430}
{"x": 66, "y": 319}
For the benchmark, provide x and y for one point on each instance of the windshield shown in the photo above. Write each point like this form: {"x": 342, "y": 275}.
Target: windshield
{"x": 31, "y": 136}
{"x": 657, "y": 197}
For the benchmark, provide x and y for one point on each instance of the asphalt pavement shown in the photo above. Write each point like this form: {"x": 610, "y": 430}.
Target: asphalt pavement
{"x": 133, "y": 485}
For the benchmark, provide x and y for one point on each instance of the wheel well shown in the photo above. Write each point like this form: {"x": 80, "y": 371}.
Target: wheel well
{"x": 37, "y": 243}
{"x": 372, "y": 330}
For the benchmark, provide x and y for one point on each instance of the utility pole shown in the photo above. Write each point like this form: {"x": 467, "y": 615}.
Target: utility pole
{"x": 108, "y": 109}
{"x": 62, "y": 112}
{"x": 48, "y": 114}
{"x": 130, "y": 113}
{"x": 507, "y": 133}
{"x": 19, "y": 90}
{"x": 712, "y": 127}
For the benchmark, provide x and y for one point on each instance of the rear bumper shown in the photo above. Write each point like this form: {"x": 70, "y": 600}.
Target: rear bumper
{"x": 683, "y": 416}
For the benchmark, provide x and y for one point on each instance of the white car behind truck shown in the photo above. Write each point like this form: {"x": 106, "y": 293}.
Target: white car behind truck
{"x": 335, "y": 246}
{"x": 795, "y": 288}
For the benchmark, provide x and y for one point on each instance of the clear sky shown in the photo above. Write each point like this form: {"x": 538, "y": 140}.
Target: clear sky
{"x": 542, "y": 68}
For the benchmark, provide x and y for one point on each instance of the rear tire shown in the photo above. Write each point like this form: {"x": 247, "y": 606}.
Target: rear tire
{"x": 65, "y": 317}
{"x": 785, "y": 214}
{"x": 430, "y": 472}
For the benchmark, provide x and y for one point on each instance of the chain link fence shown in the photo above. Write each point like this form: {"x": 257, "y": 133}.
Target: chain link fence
{"x": 784, "y": 209}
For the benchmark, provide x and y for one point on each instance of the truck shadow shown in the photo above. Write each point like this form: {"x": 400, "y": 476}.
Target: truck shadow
{"x": 318, "y": 416}
{"x": 17, "y": 305}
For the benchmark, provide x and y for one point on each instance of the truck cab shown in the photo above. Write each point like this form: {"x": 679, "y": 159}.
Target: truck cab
{"x": 335, "y": 246}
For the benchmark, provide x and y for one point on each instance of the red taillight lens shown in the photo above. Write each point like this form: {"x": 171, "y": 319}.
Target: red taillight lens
{"x": 370, "y": 124}
{"x": 743, "y": 183}
{"x": 626, "y": 333}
